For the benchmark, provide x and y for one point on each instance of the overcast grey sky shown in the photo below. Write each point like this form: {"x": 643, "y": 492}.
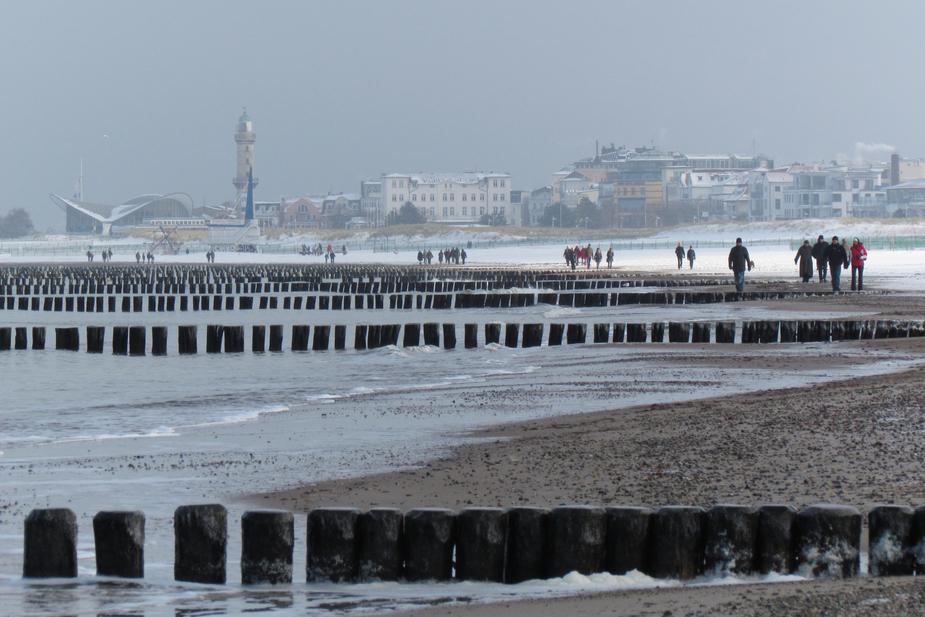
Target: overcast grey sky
{"x": 344, "y": 91}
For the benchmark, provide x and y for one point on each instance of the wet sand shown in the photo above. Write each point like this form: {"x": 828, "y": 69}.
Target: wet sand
{"x": 856, "y": 441}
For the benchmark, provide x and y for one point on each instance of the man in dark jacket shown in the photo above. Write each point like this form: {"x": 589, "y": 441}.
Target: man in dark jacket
{"x": 739, "y": 261}
{"x": 819, "y": 255}
{"x": 837, "y": 258}
{"x": 679, "y": 253}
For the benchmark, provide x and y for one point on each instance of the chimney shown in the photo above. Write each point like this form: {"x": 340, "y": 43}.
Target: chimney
{"x": 894, "y": 169}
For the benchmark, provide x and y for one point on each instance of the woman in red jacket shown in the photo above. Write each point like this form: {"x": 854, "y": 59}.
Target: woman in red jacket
{"x": 858, "y": 257}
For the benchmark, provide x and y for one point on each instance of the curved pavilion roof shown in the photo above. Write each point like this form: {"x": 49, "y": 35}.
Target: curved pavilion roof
{"x": 179, "y": 205}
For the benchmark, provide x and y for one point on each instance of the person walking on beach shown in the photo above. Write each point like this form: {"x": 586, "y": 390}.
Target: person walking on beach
{"x": 610, "y": 257}
{"x": 805, "y": 257}
{"x": 420, "y": 257}
{"x": 691, "y": 255}
{"x": 858, "y": 257}
{"x": 822, "y": 263}
{"x": 589, "y": 254}
{"x": 429, "y": 256}
{"x": 137, "y": 257}
{"x": 739, "y": 262}
{"x": 837, "y": 257}
{"x": 462, "y": 255}
{"x": 679, "y": 251}
{"x": 598, "y": 256}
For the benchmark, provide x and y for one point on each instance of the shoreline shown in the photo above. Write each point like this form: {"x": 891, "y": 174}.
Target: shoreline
{"x": 841, "y": 442}
{"x": 666, "y": 453}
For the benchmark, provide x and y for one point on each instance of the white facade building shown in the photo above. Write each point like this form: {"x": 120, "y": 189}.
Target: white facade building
{"x": 766, "y": 194}
{"x": 834, "y": 192}
{"x": 452, "y": 198}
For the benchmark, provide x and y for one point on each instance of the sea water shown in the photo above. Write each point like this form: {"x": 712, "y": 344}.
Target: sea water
{"x": 94, "y": 432}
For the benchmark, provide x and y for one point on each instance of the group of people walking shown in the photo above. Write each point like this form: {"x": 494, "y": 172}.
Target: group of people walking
{"x": 830, "y": 259}
{"x": 690, "y": 254}
{"x": 585, "y": 255}
{"x": 106, "y": 255}
{"x": 454, "y": 255}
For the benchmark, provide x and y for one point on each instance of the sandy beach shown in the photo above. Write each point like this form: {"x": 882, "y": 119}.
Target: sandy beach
{"x": 852, "y": 441}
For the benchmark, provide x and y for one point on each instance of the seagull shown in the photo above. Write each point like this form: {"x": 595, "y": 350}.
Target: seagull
{"x": 104, "y": 136}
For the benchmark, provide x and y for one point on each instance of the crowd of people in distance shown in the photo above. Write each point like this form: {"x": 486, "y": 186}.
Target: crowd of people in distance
{"x": 585, "y": 255}
{"x": 453, "y": 255}
{"x": 106, "y": 255}
{"x": 318, "y": 250}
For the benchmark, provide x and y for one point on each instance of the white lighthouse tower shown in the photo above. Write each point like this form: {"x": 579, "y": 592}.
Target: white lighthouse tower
{"x": 245, "y": 138}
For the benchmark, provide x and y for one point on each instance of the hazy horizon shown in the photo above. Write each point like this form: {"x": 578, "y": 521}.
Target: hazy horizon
{"x": 342, "y": 92}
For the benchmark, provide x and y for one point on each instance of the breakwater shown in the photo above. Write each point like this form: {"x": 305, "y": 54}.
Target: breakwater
{"x": 133, "y": 340}
{"x": 347, "y": 545}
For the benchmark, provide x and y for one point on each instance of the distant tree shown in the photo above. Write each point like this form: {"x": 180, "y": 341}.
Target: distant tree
{"x": 408, "y": 214}
{"x": 336, "y": 220}
{"x": 553, "y": 214}
{"x": 16, "y": 224}
{"x": 587, "y": 214}
{"x": 495, "y": 219}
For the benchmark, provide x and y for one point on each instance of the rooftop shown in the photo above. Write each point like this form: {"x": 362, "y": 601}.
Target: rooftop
{"x": 463, "y": 177}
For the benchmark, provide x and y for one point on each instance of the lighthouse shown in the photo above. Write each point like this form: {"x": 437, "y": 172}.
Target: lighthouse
{"x": 245, "y": 138}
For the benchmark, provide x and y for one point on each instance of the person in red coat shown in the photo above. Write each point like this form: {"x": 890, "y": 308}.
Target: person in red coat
{"x": 858, "y": 257}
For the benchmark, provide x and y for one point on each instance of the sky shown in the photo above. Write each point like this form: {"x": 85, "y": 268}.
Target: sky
{"x": 147, "y": 94}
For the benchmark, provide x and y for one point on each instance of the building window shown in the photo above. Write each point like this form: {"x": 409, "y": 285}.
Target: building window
{"x": 777, "y": 189}
{"x": 464, "y": 209}
{"x": 494, "y": 197}
{"x": 502, "y": 210}
{"x": 502, "y": 183}
{"x": 401, "y": 184}
{"x": 444, "y": 210}
{"x": 494, "y": 183}
{"x": 836, "y": 197}
{"x": 445, "y": 198}
{"x": 394, "y": 197}
{"x": 473, "y": 196}
{"x": 452, "y": 196}
{"x": 777, "y": 204}
{"x": 433, "y": 197}
{"x": 464, "y": 197}
{"x": 642, "y": 191}
{"x": 452, "y": 211}
{"x": 502, "y": 196}
{"x": 432, "y": 211}
{"x": 634, "y": 190}
{"x": 414, "y": 197}
{"x": 393, "y": 184}
{"x": 482, "y": 198}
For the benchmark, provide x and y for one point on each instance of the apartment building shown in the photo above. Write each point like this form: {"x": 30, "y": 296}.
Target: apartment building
{"x": 451, "y": 198}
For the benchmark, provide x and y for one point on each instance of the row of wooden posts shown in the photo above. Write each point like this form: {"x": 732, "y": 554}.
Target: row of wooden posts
{"x": 131, "y": 340}
{"x": 496, "y": 277}
{"x": 347, "y": 545}
{"x": 75, "y": 288}
{"x": 464, "y": 300}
